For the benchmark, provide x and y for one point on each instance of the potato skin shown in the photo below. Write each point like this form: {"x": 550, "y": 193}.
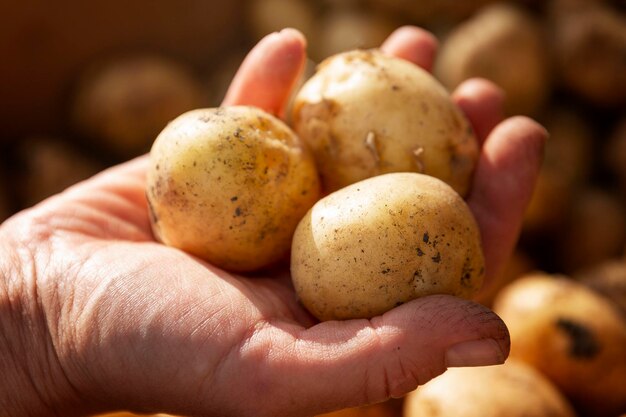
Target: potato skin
{"x": 365, "y": 114}
{"x": 513, "y": 389}
{"x": 574, "y": 336}
{"x": 381, "y": 242}
{"x": 230, "y": 185}
{"x": 506, "y": 45}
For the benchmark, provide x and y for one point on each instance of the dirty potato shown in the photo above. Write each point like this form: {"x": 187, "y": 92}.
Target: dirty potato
{"x": 381, "y": 242}
{"x": 230, "y": 185}
{"x": 574, "y": 336}
{"x": 364, "y": 114}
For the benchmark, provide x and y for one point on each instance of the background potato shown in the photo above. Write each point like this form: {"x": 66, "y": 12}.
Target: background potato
{"x": 510, "y": 390}
{"x": 390, "y": 408}
{"x": 381, "y": 242}
{"x": 346, "y": 28}
{"x": 230, "y": 185}
{"x": 122, "y": 105}
{"x": 589, "y": 43}
{"x": 506, "y": 45}
{"x": 575, "y": 337}
{"x": 364, "y": 114}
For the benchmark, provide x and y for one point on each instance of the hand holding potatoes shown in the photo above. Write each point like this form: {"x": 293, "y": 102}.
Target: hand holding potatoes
{"x": 158, "y": 329}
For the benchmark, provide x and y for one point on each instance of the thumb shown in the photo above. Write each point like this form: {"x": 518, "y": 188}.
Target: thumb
{"x": 336, "y": 364}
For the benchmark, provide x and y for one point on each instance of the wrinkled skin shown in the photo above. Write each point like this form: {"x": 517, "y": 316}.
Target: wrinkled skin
{"x": 96, "y": 315}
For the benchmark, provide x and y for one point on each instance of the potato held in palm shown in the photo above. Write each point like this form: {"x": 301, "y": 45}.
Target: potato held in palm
{"x": 365, "y": 113}
{"x": 383, "y": 241}
{"x": 229, "y": 185}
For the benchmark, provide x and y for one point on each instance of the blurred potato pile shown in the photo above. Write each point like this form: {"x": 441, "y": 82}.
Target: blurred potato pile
{"x": 77, "y": 98}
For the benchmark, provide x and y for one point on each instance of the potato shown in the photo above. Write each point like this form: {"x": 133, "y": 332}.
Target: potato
{"x": 505, "y": 45}
{"x": 513, "y": 389}
{"x": 365, "y": 114}
{"x": 44, "y": 45}
{"x": 344, "y": 29}
{"x": 124, "y": 104}
{"x": 267, "y": 16}
{"x": 589, "y": 43}
{"x": 229, "y": 185}
{"x": 575, "y": 337}
{"x": 385, "y": 409}
{"x": 432, "y": 13}
{"x": 383, "y": 241}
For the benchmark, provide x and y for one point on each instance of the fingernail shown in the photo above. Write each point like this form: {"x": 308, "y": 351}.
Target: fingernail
{"x": 474, "y": 353}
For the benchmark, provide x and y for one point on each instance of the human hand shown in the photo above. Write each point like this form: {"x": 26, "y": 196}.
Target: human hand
{"x": 99, "y": 316}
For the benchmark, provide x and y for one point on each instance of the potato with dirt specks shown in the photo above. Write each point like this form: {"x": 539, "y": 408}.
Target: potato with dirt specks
{"x": 229, "y": 185}
{"x": 574, "y": 336}
{"x": 365, "y": 113}
{"x": 383, "y": 241}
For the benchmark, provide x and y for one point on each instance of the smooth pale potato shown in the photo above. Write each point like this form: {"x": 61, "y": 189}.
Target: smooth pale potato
{"x": 505, "y": 45}
{"x": 124, "y": 104}
{"x": 383, "y": 241}
{"x": 575, "y": 337}
{"x": 230, "y": 185}
{"x": 513, "y": 389}
{"x": 365, "y": 114}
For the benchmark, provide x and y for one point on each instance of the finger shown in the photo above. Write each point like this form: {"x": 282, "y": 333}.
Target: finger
{"x": 503, "y": 183}
{"x": 269, "y": 72}
{"x": 483, "y": 104}
{"x": 413, "y": 44}
{"x": 340, "y": 364}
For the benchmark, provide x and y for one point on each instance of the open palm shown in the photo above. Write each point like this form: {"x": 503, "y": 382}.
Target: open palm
{"x": 126, "y": 322}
